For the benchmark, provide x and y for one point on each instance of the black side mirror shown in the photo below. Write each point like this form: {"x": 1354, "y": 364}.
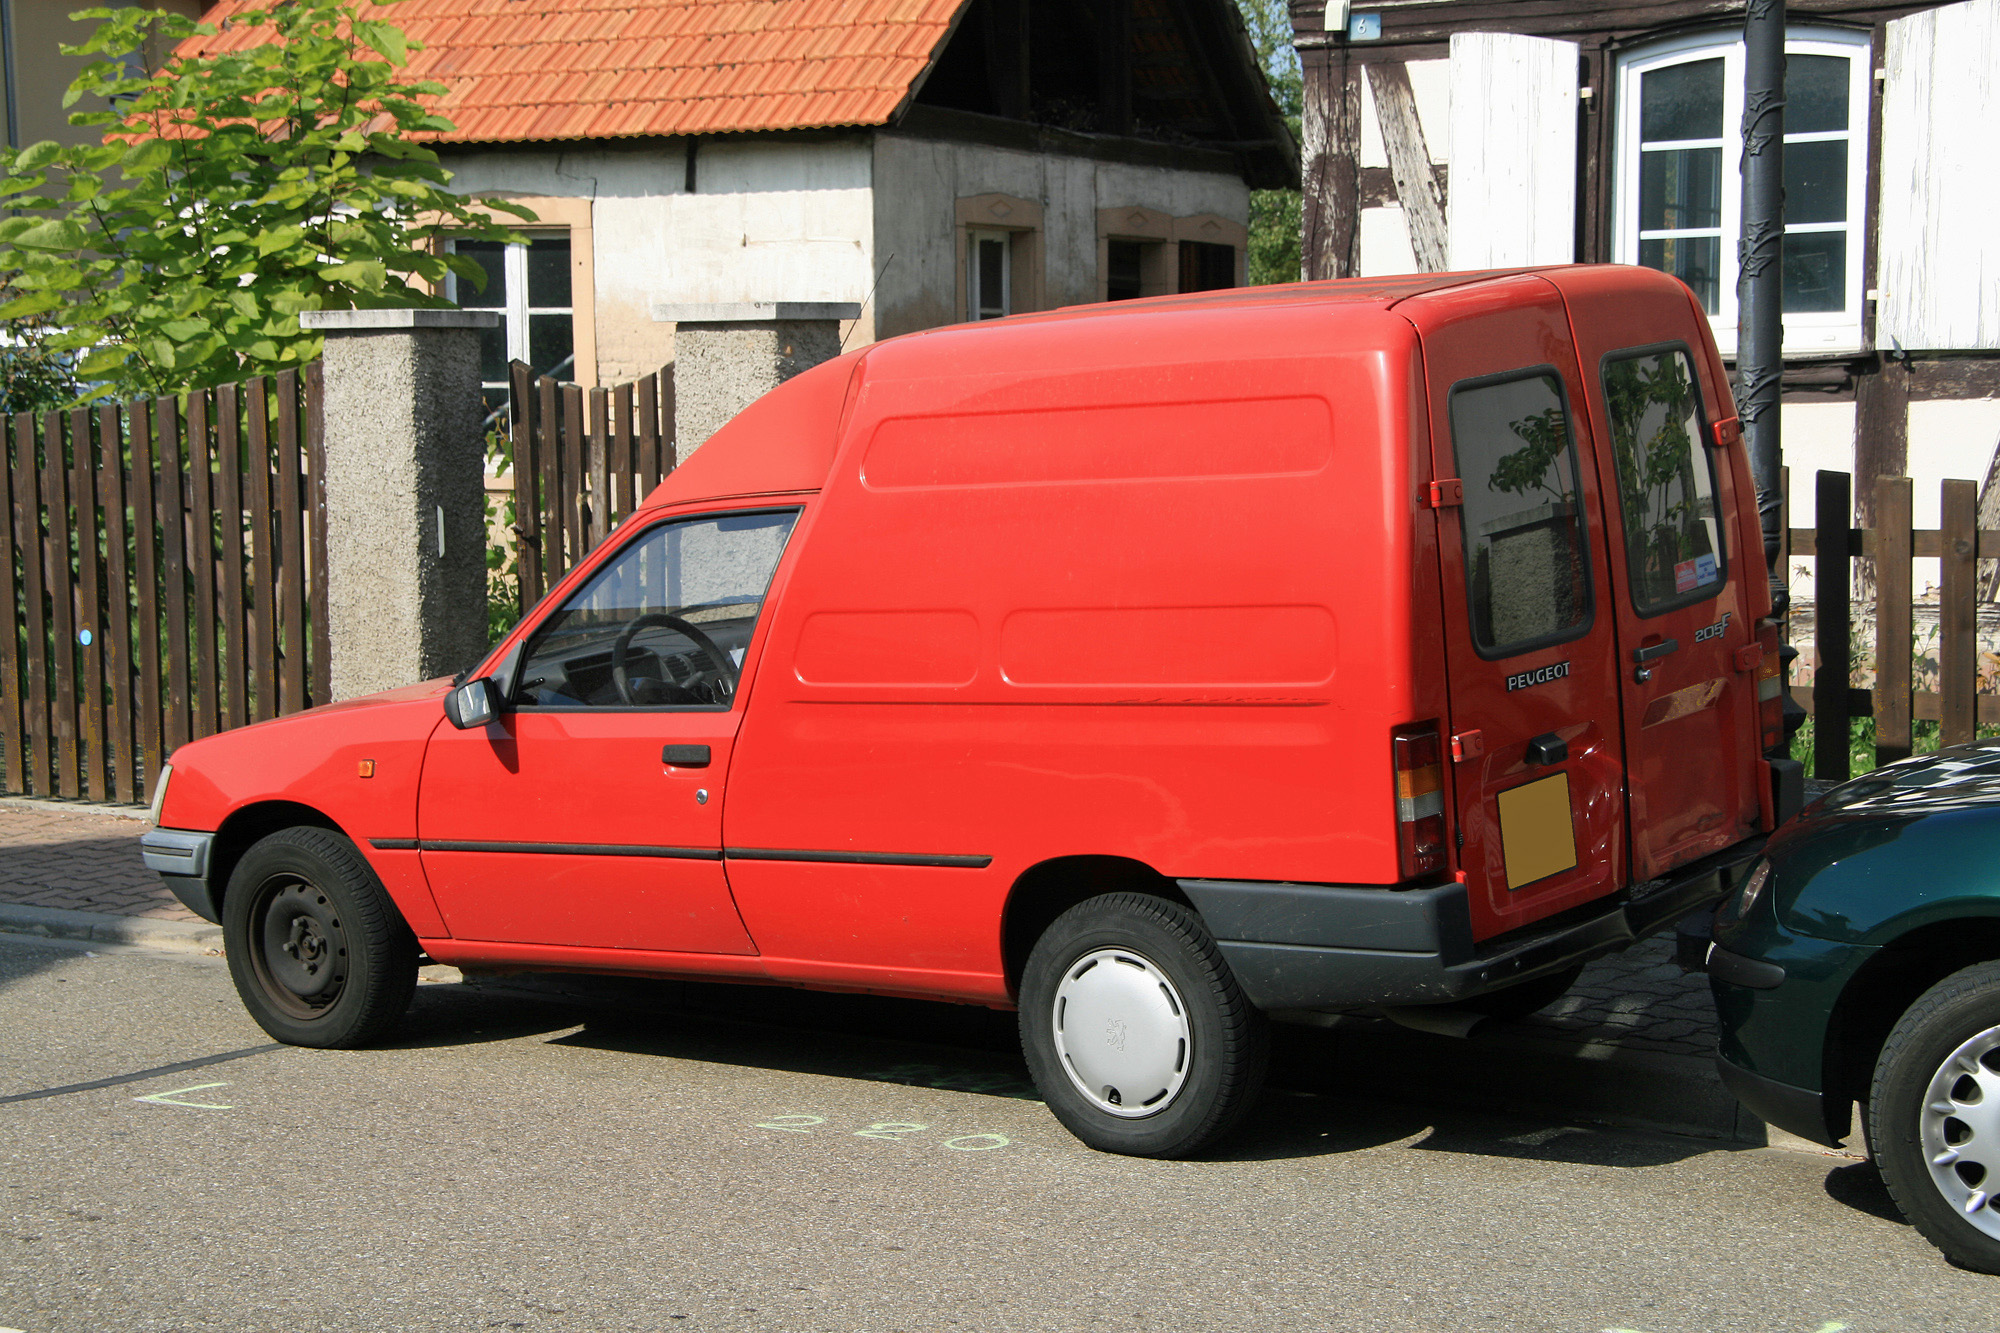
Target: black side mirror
{"x": 472, "y": 704}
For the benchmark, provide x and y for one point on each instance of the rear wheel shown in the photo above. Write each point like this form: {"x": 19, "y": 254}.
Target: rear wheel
{"x": 318, "y": 951}
{"x": 1934, "y": 1116}
{"x": 1136, "y": 1032}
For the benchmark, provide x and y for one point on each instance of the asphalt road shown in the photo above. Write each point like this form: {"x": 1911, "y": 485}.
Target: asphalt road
{"x": 725, "y": 1159}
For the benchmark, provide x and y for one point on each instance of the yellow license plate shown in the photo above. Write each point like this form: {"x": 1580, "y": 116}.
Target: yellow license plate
{"x": 1537, "y": 838}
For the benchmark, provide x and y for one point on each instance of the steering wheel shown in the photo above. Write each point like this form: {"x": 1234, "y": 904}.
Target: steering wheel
{"x": 621, "y": 651}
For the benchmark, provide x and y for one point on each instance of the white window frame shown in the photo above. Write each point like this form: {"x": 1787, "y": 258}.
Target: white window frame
{"x": 514, "y": 315}
{"x": 973, "y": 303}
{"x": 1819, "y": 333}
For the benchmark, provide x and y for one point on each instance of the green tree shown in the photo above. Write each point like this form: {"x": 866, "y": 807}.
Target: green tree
{"x": 1275, "y": 219}
{"x": 231, "y": 190}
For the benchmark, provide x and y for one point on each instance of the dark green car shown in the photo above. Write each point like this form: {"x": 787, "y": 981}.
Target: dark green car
{"x": 1859, "y": 962}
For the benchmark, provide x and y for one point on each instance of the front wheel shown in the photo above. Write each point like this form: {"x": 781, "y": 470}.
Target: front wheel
{"x": 318, "y": 951}
{"x": 1934, "y": 1116}
{"x": 1135, "y": 1030}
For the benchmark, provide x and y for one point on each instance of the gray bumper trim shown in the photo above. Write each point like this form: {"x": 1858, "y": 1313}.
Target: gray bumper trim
{"x": 173, "y": 851}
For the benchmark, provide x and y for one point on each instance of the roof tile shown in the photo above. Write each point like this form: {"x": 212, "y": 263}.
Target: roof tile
{"x": 518, "y": 70}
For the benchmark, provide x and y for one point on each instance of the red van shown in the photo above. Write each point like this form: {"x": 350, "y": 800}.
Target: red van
{"x": 1152, "y": 668}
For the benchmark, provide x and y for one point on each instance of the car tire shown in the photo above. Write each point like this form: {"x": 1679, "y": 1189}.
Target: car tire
{"x": 1530, "y": 997}
{"x": 1157, "y": 1055}
{"x": 316, "y": 947}
{"x": 1934, "y": 1116}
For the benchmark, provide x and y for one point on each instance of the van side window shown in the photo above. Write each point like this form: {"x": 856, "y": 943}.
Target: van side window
{"x": 1666, "y": 482}
{"x": 664, "y": 623}
{"x": 1527, "y": 574}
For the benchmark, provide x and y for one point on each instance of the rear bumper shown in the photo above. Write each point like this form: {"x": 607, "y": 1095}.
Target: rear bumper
{"x": 1328, "y": 947}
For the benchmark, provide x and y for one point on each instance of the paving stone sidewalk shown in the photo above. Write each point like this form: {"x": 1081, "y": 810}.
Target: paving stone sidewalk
{"x": 79, "y": 861}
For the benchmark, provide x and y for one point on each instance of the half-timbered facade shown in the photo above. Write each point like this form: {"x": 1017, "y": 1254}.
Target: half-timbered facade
{"x": 1464, "y": 134}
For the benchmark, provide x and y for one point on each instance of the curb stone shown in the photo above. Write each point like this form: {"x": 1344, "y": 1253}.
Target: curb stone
{"x": 55, "y": 806}
{"x": 54, "y": 923}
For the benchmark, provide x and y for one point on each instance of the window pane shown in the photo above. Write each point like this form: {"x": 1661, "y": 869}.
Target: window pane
{"x": 1207, "y": 267}
{"x": 1526, "y": 576}
{"x": 1815, "y": 272}
{"x": 1666, "y": 481}
{"x": 491, "y": 257}
{"x": 549, "y": 345}
{"x": 1123, "y": 278}
{"x": 990, "y": 270}
{"x": 1815, "y": 94}
{"x": 1680, "y": 188}
{"x": 1816, "y": 181}
{"x": 1681, "y": 101}
{"x": 493, "y": 355}
{"x": 548, "y": 272}
{"x": 1695, "y": 260}
{"x": 675, "y": 599}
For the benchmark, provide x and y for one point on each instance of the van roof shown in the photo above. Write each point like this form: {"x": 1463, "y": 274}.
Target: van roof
{"x": 784, "y": 443}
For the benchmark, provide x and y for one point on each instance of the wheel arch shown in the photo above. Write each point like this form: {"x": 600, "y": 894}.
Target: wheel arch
{"x": 1049, "y": 888}
{"x": 1883, "y": 988}
{"x": 247, "y": 826}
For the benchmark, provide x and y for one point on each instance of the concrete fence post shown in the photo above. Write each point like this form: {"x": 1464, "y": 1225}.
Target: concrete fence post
{"x": 727, "y": 356}
{"x": 405, "y": 494}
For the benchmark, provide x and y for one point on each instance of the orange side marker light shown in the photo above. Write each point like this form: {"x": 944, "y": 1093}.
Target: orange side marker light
{"x": 366, "y": 768}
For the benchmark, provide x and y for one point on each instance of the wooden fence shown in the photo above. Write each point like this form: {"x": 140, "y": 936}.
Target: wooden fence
{"x": 164, "y": 561}
{"x": 1958, "y": 545}
{"x": 582, "y": 459}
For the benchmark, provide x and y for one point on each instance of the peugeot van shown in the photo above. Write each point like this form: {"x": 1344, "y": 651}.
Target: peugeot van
{"x": 1152, "y": 668}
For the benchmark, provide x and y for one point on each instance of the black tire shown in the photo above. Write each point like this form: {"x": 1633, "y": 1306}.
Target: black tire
{"x": 1530, "y": 997}
{"x": 1944, "y": 1052}
{"x": 1175, "y": 1105}
{"x": 316, "y": 947}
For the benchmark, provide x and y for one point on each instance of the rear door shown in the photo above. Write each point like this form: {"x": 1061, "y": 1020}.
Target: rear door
{"x": 1683, "y": 613}
{"x": 1534, "y": 737}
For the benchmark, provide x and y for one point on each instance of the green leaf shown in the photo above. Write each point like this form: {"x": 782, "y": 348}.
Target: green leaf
{"x": 386, "y": 40}
{"x": 52, "y": 234}
{"x": 37, "y": 155}
{"x": 147, "y": 155}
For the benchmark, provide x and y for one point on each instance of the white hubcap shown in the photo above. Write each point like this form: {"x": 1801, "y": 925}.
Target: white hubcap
{"x": 1122, "y": 1033}
{"x": 1960, "y": 1130}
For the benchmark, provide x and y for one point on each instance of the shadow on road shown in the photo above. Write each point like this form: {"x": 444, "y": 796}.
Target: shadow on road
{"x": 1860, "y": 1187}
{"x": 1325, "y": 1098}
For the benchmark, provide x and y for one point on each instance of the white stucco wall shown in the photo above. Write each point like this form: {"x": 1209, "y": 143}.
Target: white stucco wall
{"x": 790, "y": 221}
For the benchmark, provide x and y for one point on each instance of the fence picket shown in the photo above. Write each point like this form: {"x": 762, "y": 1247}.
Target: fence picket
{"x": 547, "y": 420}
{"x": 598, "y": 516}
{"x": 28, "y": 473}
{"x": 573, "y": 477}
{"x": 649, "y": 434}
{"x": 1892, "y": 619}
{"x": 201, "y": 562}
{"x": 291, "y": 545}
{"x": 527, "y": 472}
{"x": 139, "y": 422}
{"x": 119, "y": 604}
{"x": 1958, "y": 630}
{"x": 263, "y": 559}
{"x": 89, "y": 607}
{"x": 13, "y": 748}
{"x": 62, "y": 606}
{"x": 322, "y": 633}
{"x": 232, "y": 624}
{"x": 173, "y": 570}
{"x": 1831, "y": 505}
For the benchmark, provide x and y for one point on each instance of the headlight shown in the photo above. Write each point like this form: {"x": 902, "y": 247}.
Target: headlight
{"x": 160, "y": 794}
{"x": 1746, "y": 897}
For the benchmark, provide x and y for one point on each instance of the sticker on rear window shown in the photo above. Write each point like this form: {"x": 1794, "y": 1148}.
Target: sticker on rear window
{"x": 1521, "y": 680}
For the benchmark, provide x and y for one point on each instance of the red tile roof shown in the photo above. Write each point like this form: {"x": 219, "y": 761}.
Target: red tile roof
{"x": 594, "y": 69}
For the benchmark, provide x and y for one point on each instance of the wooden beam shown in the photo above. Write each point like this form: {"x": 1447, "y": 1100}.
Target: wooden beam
{"x": 1332, "y": 212}
{"x": 1410, "y": 163}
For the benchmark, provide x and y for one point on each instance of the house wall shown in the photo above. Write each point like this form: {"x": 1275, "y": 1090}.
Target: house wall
{"x": 768, "y": 220}
{"x": 42, "y": 73}
{"x": 920, "y": 183}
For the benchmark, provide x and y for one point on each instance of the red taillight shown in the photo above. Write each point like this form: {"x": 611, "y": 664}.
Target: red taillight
{"x": 1419, "y": 801}
{"x": 1771, "y": 686}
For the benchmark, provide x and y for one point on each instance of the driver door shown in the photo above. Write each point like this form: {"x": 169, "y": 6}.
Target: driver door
{"x": 589, "y": 812}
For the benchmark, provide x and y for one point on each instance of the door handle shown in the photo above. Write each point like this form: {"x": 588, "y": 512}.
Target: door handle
{"x": 1548, "y": 749}
{"x": 1655, "y": 651}
{"x": 684, "y": 756}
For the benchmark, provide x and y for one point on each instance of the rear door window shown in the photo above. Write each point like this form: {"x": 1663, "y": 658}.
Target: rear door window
{"x": 1526, "y": 559}
{"x": 1666, "y": 480}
